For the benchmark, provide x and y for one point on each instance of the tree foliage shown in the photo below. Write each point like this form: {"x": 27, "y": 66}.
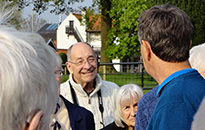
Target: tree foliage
{"x": 123, "y": 39}
{"x": 55, "y": 6}
{"x": 196, "y": 11}
{"x": 63, "y": 57}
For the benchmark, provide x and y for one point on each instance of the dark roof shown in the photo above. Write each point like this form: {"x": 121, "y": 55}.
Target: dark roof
{"x": 48, "y": 31}
{"x": 51, "y": 44}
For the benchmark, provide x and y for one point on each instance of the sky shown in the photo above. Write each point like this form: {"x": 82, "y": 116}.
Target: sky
{"x": 52, "y": 18}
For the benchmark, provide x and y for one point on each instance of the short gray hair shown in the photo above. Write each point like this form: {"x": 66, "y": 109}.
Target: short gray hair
{"x": 197, "y": 57}
{"x": 124, "y": 93}
{"x": 28, "y": 83}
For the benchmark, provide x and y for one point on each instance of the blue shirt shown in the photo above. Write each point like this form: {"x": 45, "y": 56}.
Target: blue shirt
{"x": 171, "y": 77}
{"x": 145, "y": 109}
{"x": 180, "y": 97}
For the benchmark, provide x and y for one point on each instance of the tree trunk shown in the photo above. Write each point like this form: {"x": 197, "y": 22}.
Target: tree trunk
{"x": 106, "y": 24}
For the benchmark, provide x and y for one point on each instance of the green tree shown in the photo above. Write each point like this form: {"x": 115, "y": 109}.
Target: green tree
{"x": 55, "y": 6}
{"x": 63, "y": 57}
{"x": 118, "y": 23}
{"x": 123, "y": 38}
{"x": 196, "y": 11}
{"x": 62, "y": 6}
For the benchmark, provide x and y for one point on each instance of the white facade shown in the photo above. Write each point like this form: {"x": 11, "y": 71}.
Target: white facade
{"x": 64, "y": 41}
{"x": 95, "y": 40}
{"x": 93, "y": 37}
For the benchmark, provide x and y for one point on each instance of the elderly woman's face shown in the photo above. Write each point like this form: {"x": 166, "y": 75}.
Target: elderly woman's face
{"x": 129, "y": 109}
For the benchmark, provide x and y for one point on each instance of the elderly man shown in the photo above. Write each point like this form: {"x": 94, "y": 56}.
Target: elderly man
{"x": 165, "y": 34}
{"x": 85, "y": 87}
{"x": 70, "y": 116}
{"x": 28, "y": 92}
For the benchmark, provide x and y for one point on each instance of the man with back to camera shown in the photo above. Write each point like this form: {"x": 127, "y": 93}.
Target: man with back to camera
{"x": 165, "y": 34}
{"x": 147, "y": 104}
{"x": 85, "y": 87}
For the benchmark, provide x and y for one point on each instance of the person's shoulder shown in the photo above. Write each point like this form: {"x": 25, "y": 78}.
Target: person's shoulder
{"x": 185, "y": 85}
{"x": 149, "y": 97}
{"x": 64, "y": 86}
{"x": 108, "y": 127}
{"x": 65, "y": 83}
{"x": 151, "y": 94}
{"x": 109, "y": 84}
{"x": 75, "y": 107}
{"x": 84, "y": 110}
{"x": 112, "y": 126}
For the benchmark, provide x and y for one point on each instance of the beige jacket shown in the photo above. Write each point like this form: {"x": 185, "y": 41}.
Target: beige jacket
{"x": 90, "y": 102}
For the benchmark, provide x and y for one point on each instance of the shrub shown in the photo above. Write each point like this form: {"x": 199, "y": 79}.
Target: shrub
{"x": 63, "y": 57}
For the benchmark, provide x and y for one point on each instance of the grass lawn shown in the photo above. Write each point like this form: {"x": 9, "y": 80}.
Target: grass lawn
{"x": 126, "y": 78}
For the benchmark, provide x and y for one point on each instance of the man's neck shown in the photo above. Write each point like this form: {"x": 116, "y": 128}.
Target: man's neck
{"x": 88, "y": 87}
{"x": 165, "y": 69}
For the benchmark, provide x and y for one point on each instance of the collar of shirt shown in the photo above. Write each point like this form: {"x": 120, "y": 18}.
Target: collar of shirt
{"x": 171, "y": 77}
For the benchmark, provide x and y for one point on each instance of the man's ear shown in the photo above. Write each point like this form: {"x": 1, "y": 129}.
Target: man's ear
{"x": 68, "y": 65}
{"x": 147, "y": 49}
{"x": 34, "y": 122}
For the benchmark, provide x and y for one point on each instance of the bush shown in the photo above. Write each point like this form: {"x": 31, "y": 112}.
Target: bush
{"x": 63, "y": 57}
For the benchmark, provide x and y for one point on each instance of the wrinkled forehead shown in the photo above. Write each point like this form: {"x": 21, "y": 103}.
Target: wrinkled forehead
{"x": 81, "y": 51}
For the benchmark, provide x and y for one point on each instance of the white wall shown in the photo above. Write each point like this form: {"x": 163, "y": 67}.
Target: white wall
{"x": 63, "y": 41}
{"x": 117, "y": 67}
{"x": 95, "y": 40}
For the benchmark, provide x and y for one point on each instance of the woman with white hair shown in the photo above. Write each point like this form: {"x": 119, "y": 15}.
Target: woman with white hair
{"x": 125, "y": 107}
{"x": 28, "y": 88}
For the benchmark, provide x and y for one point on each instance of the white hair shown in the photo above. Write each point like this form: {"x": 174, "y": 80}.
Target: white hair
{"x": 124, "y": 93}
{"x": 197, "y": 58}
{"x": 27, "y": 80}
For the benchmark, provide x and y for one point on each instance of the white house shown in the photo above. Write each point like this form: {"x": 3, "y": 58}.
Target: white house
{"x": 72, "y": 30}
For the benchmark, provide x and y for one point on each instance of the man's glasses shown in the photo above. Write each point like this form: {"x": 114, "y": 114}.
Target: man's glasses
{"x": 81, "y": 61}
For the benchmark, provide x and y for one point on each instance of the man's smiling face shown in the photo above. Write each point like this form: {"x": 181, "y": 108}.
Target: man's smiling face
{"x": 83, "y": 64}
